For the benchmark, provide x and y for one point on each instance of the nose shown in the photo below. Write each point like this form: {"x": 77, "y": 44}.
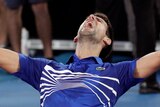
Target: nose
{"x": 91, "y": 17}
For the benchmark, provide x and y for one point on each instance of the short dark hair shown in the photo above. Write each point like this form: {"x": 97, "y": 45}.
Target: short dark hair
{"x": 106, "y": 51}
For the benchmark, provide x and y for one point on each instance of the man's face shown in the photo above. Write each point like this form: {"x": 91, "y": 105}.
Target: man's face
{"x": 93, "y": 26}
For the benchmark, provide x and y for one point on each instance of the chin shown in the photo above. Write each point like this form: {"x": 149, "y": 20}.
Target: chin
{"x": 86, "y": 32}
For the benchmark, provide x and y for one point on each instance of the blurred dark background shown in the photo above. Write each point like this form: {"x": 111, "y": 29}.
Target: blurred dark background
{"x": 66, "y": 17}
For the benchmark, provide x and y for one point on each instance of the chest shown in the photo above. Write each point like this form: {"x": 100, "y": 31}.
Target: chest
{"x": 75, "y": 87}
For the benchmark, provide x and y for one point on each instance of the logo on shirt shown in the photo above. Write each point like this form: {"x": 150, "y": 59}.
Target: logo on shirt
{"x": 100, "y": 68}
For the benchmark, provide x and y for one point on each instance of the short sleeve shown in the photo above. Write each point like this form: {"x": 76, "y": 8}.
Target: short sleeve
{"x": 126, "y": 74}
{"x": 30, "y": 69}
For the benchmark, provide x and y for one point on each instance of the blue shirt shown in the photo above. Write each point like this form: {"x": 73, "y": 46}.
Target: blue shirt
{"x": 84, "y": 82}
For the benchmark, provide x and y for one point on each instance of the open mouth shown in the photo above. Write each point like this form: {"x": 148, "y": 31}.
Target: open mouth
{"x": 90, "y": 24}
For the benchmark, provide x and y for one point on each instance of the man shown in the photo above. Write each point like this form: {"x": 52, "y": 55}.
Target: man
{"x": 42, "y": 19}
{"x": 85, "y": 81}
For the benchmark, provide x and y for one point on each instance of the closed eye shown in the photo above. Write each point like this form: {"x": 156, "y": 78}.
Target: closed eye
{"x": 99, "y": 19}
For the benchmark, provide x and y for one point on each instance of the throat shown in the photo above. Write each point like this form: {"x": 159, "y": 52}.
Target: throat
{"x": 85, "y": 51}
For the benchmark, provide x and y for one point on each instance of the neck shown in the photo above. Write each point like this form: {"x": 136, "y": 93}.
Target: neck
{"x": 87, "y": 50}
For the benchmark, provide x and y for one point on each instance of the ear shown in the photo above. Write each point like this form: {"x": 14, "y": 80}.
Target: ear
{"x": 107, "y": 41}
{"x": 75, "y": 39}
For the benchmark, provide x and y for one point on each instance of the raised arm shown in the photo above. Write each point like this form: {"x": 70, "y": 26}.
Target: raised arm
{"x": 9, "y": 60}
{"x": 147, "y": 65}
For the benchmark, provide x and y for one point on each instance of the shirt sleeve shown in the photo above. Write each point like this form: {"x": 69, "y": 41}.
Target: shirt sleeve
{"x": 30, "y": 69}
{"x": 125, "y": 72}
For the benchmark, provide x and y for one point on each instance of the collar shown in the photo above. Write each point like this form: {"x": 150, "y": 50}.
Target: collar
{"x": 95, "y": 60}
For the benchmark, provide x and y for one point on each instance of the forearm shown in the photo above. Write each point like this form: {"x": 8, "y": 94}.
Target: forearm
{"x": 147, "y": 65}
{"x": 9, "y": 60}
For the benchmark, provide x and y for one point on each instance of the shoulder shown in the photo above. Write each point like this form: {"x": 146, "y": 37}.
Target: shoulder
{"x": 121, "y": 66}
{"x": 124, "y": 63}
